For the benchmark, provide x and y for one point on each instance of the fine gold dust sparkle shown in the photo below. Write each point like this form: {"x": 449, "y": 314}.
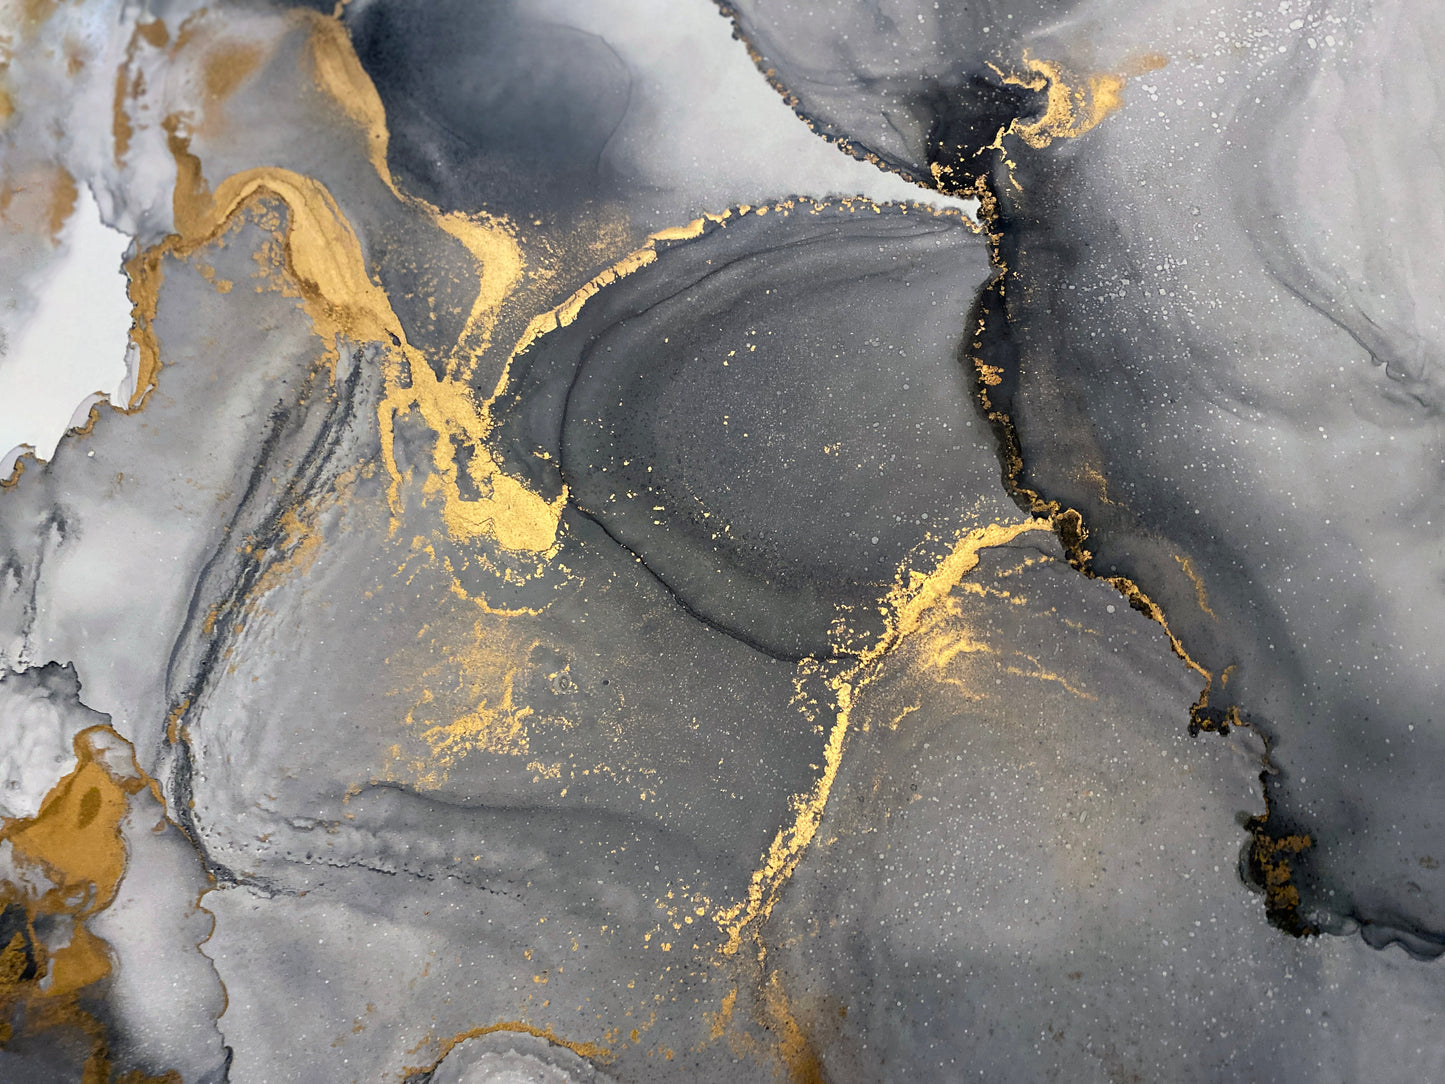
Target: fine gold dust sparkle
{"x": 907, "y": 604}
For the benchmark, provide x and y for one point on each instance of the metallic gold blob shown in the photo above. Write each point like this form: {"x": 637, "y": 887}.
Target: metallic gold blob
{"x": 75, "y": 847}
{"x": 1074, "y": 104}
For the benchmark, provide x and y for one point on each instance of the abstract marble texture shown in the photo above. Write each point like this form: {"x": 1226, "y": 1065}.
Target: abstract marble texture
{"x": 521, "y": 561}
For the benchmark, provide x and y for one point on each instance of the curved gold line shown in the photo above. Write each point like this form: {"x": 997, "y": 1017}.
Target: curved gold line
{"x": 907, "y": 603}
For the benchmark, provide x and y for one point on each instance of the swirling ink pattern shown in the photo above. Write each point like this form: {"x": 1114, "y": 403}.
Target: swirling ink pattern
{"x": 521, "y": 561}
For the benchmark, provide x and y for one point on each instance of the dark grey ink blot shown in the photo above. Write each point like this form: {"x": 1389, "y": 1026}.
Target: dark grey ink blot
{"x": 916, "y": 86}
{"x": 772, "y": 417}
{"x": 492, "y": 102}
{"x": 1183, "y": 344}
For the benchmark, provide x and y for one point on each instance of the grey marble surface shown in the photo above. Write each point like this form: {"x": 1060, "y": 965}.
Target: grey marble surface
{"x": 587, "y": 580}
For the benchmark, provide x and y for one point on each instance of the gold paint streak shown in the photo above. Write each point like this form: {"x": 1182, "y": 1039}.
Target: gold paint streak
{"x": 582, "y": 1050}
{"x": 154, "y": 34}
{"x": 518, "y": 518}
{"x": 321, "y": 252}
{"x": 926, "y": 591}
{"x": 500, "y": 730}
{"x": 1091, "y": 473}
{"x": 174, "y": 716}
{"x": 323, "y": 255}
{"x": 339, "y": 74}
{"x": 720, "y": 1020}
{"x": 1150, "y": 609}
{"x": 296, "y": 552}
{"x": 490, "y": 240}
{"x": 897, "y": 720}
{"x": 795, "y": 1049}
{"x": 515, "y": 517}
{"x": 945, "y": 653}
{"x": 983, "y": 591}
{"x": 1047, "y": 675}
{"x": 509, "y": 512}
{"x": 911, "y": 599}
{"x": 1199, "y": 593}
{"x": 228, "y": 66}
{"x": 1074, "y": 103}
{"x": 62, "y": 203}
{"x": 455, "y": 585}
{"x": 1198, "y": 713}
{"x": 13, "y": 479}
{"x": 568, "y": 310}
{"x": 493, "y": 244}
{"x": 1068, "y": 523}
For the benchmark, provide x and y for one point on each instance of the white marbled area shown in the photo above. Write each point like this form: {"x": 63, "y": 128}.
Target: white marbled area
{"x": 64, "y": 312}
{"x": 38, "y": 724}
{"x": 705, "y": 130}
{"x": 73, "y": 344}
{"x": 511, "y": 1058}
{"x": 703, "y": 133}
{"x": 165, "y": 996}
